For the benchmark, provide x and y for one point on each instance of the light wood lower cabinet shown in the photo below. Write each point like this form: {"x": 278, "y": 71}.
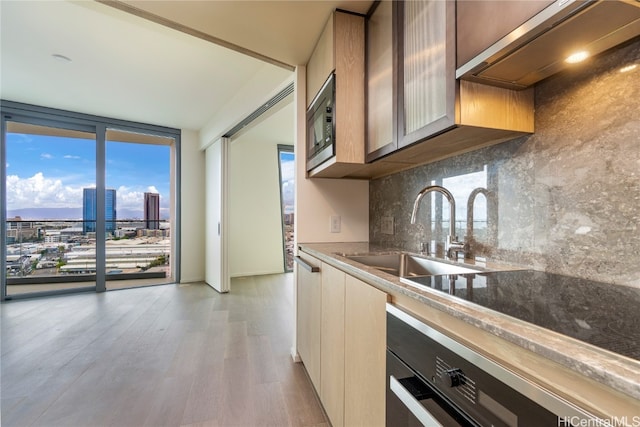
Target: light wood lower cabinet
{"x": 332, "y": 344}
{"x": 341, "y": 339}
{"x": 309, "y": 293}
{"x": 365, "y": 354}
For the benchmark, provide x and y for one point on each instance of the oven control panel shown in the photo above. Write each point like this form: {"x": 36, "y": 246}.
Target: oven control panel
{"x": 451, "y": 377}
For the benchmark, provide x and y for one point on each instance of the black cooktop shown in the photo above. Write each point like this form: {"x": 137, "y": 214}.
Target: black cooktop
{"x": 604, "y": 315}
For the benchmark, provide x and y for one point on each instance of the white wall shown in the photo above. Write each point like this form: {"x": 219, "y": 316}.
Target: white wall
{"x": 192, "y": 190}
{"x": 255, "y": 216}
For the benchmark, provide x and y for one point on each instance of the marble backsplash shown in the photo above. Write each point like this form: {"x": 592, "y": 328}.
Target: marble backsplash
{"x": 564, "y": 200}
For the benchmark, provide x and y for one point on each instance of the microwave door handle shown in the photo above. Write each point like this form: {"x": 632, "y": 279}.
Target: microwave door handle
{"x": 412, "y": 404}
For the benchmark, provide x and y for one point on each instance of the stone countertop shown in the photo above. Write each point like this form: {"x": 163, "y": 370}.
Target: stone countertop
{"x": 615, "y": 371}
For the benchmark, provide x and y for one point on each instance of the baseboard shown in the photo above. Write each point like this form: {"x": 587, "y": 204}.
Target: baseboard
{"x": 256, "y": 273}
{"x": 191, "y": 280}
{"x": 295, "y": 356}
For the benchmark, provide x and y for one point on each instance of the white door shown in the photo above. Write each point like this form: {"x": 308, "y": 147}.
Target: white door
{"x": 216, "y": 270}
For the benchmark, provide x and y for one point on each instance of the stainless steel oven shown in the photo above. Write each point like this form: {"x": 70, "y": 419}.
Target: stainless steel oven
{"x": 321, "y": 125}
{"x": 433, "y": 380}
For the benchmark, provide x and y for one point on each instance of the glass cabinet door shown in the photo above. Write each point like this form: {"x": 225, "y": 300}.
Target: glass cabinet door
{"x": 426, "y": 89}
{"x": 380, "y": 81}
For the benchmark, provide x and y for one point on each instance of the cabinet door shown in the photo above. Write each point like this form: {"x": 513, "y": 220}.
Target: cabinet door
{"x": 332, "y": 339}
{"x": 309, "y": 297}
{"x": 322, "y": 61}
{"x": 381, "y": 97}
{"x": 365, "y": 354}
{"x": 426, "y": 69}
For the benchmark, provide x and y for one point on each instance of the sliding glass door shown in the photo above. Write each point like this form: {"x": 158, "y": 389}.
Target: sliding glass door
{"x": 139, "y": 241}
{"x": 47, "y": 170}
{"x": 87, "y": 203}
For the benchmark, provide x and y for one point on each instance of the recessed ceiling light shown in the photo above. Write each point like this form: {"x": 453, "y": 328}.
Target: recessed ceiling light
{"x": 628, "y": 68}
{"x": 61, "y": 58}
{"x": 577, "y": 57}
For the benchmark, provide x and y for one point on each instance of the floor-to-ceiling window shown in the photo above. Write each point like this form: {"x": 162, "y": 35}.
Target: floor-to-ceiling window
{"x": 88, "y": 203}
{"x": 286, "y": 163}
{"x": 48, "y": 171}
{"x": 138, "y": 250}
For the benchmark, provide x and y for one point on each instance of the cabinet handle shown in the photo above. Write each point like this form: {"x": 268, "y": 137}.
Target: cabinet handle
{"x": 304, "y": 264}
{"x": 412, "y": 404}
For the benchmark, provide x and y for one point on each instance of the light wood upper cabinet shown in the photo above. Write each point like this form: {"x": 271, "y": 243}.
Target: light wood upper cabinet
{"x": 322, "y": 61}
{"x": 435, "y": 115}
{"x": 340, "y": 50}
{"x": 444, "y": 115}
{"x": 416, "y": 111}
{"x": 333, "y": 348}
{"x": 308, "y": 297}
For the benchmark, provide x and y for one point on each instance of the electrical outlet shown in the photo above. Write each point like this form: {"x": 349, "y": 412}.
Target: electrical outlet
{"x": 335, "y": 224}
{"x": 387, "y": 225}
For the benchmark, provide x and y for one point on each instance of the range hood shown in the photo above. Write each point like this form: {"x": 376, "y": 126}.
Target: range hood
{"x": 538, "y": 48}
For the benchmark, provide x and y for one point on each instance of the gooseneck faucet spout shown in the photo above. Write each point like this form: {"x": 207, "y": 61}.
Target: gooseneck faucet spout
{"x": 452, "y": 245}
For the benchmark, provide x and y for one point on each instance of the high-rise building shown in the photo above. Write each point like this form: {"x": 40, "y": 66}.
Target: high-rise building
{"x": 152, "y": 211}
{"x": 90, "y": 209}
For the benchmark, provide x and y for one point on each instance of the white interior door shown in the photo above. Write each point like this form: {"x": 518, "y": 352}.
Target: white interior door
{"x": 216, "y": 270}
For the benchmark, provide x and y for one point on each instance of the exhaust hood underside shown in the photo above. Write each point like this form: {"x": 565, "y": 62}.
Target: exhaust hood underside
{"x": 548, "y": 38}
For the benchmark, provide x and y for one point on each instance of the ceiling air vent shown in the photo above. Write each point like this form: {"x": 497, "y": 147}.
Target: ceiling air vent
{"x": 260, "y": 111}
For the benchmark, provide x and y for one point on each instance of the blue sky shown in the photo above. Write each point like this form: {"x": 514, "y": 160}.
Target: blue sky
{"x": 50, "y": 172}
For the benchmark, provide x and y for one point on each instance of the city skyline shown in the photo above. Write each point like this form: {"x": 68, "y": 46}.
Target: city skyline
{"x": 46, "y": 176}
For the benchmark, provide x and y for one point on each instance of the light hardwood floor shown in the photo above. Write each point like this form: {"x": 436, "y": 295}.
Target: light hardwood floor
{"x": 173, "y": 355}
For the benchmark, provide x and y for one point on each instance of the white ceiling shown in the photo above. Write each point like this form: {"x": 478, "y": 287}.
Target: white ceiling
{"x": 282, "y": 30}
{"x": 127, "y": 67}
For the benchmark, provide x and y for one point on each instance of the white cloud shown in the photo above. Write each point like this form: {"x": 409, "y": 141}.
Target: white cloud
{"x": 287, "y": 170}
{"x": 133, "y": 199}
{"x": 69, "y": 156}
{"x": 129, "y": 198}
{"x": 39, "y": 191}
{"x": 46, "y": 156}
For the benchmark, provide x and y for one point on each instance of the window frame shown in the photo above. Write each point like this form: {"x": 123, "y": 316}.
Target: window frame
{"x": 11, "y": 111}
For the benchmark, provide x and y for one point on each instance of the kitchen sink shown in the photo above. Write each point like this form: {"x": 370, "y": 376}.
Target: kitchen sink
{"x": 408, "y": 265}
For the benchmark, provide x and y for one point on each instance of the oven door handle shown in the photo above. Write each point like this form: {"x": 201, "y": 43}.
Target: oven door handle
{"x": 412, "y": 404}
{"x": 304, "y": 264}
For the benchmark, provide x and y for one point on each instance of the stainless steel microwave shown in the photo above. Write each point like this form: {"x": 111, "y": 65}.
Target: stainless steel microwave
{"x": 321, "y": 129}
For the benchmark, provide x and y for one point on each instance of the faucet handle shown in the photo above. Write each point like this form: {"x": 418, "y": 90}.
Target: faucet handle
{"x": 455, "y": 248}
{"x": 425, "y": 248}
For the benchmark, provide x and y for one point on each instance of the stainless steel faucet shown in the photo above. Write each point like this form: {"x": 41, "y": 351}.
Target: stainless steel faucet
{"x": 452, "y": 245}
{"x": 470, "y": 227}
